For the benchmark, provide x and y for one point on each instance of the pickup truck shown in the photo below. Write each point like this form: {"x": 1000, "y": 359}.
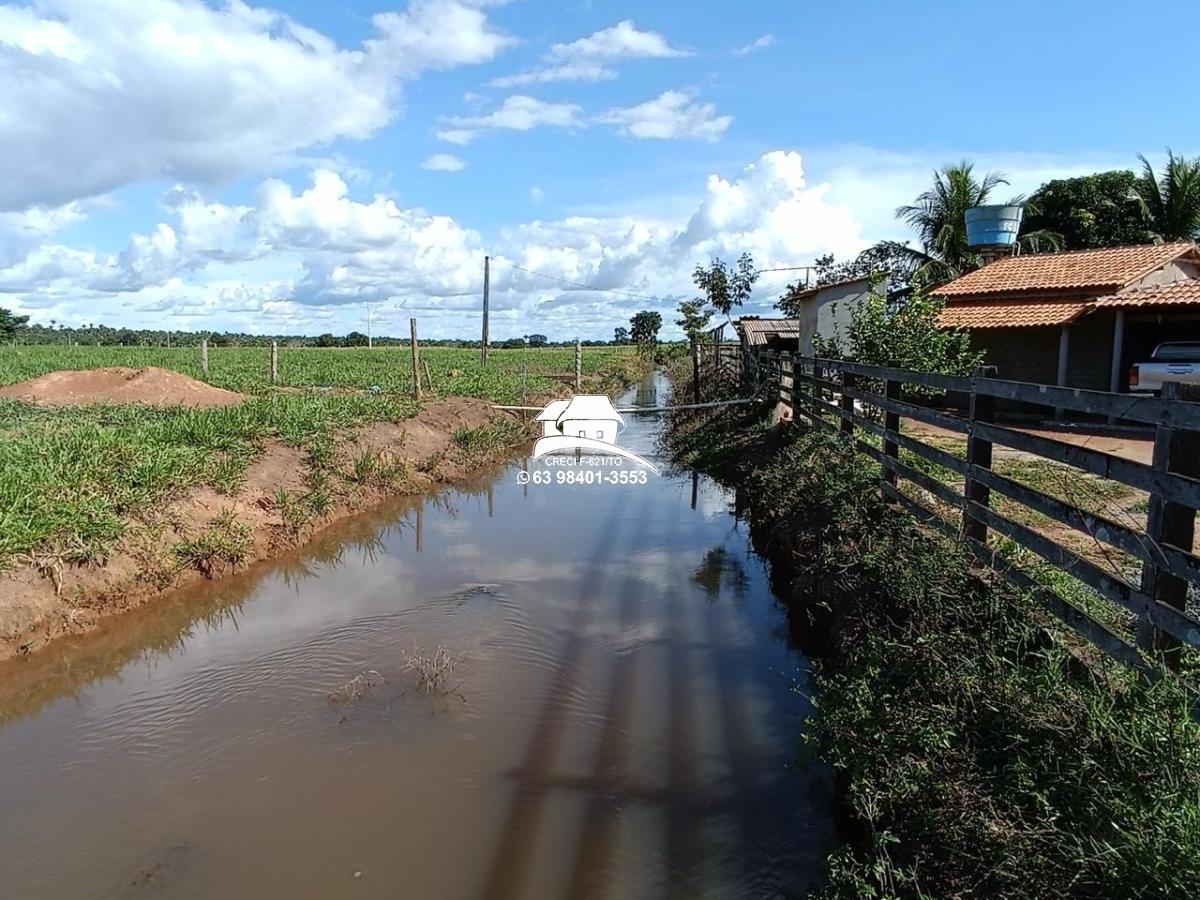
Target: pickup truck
{"x": 1173, "y": 361}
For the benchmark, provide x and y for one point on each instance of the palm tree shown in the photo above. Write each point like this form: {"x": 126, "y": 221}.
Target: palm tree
{"x": 939, "y": 217}
{"x": 1171, "y": 202}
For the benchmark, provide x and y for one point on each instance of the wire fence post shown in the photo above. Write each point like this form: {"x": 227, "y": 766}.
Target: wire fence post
{"x": 204, "y": 355}
{"x": 981, "y": 408}
{"x": 416, "y": 367}
{"x": 1175, "y": 450}
{"x": 429, "y": 377}
{"x": 578, "y": 366}
{"x": 696, "y": 370}
{"x": 524, "y": 391}
{"x": 274, "y": 362}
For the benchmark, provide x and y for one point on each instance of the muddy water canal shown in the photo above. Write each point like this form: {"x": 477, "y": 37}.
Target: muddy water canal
{"x": 620, "y": 718}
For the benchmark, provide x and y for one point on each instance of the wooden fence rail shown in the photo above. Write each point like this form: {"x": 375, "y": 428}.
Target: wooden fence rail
{"x": 857, "y": 399}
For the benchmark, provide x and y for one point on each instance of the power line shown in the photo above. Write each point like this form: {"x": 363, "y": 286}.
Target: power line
{"x": 586, "y": 287}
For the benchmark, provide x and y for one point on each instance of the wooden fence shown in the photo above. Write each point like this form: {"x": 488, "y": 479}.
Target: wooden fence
{"x": 860, "y": 400}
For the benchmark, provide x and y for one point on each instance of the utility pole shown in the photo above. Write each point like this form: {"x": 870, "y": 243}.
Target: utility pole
{"x": 486, "y": 277}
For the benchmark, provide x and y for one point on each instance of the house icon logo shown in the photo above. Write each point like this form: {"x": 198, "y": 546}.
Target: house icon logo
{"x": 585, "y": 422}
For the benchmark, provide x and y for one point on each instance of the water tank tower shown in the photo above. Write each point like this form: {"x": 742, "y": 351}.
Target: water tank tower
{"x": 992, "y": 230}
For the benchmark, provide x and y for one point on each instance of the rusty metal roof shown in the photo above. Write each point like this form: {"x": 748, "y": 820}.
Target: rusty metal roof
{"x": 1015, "y": 314}
{"x": 1178, "y": 293}
{"x": 756, "y": 332}
{"x": 1108, "y": 269}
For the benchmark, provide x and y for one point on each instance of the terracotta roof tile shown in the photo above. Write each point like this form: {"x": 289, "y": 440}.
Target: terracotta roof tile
{"x": 1110, "y": 269}
{"x": 1179, "y": 292}
{"x": 1018, "y": 314}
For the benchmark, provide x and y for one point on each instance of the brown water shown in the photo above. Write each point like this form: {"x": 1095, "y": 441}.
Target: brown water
{"x": 623, "y": 723}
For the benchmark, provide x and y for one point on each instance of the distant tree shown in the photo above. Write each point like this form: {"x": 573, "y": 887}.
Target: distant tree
{"x": 620, "y": 335}
{"x": 537, "y": 340}
{"x": 10, "y": 323}
{"x": 513, "y": 344}
{"x": 726, "y": 286}
{"x": 355, "y": 339}
{"x": 327, "y": 340}
{"x": 1101, "y": 210}
{"x": 694, "y": 318}
{"x": 643, "y": 328}
{"x": 1171, "y": 201}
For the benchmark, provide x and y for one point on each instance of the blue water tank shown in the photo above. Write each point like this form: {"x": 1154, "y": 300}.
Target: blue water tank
{"x": 993, "y": 226}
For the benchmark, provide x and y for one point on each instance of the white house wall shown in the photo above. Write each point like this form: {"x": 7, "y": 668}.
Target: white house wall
{"x": 828, "y": 313}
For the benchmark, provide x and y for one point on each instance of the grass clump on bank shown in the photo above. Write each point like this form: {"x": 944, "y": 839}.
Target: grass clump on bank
{"x": 69, "y": 477}
{"x": 977, "y": 758}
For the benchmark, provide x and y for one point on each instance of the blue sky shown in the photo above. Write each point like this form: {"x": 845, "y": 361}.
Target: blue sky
{"x": 278, "y": 168}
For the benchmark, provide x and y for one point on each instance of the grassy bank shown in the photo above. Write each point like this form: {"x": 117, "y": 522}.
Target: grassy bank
{"x": 978, "y": 759}
{"x": 72, "y": 478}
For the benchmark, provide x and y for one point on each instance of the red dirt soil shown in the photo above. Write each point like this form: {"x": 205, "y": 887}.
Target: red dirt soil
{"x": 151, "y": 385}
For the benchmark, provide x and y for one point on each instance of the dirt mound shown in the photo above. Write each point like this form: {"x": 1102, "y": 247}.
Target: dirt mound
{"x": 151, "y": 385}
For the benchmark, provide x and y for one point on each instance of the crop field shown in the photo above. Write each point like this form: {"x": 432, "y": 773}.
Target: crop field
{"x": 247, "y": 369}
{"x": 71, "y": 478}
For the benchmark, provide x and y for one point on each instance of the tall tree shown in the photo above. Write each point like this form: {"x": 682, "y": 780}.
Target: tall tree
{"x": 694, "y": 318}
{"x": 726, "y": 286}
{"x": 643, "y": 328}
{"x": 620, "y": 335}
{"x": 938, "y": 216}
{"x": 1171, "y": 201}
{"x": 10, "y": 323}
{"x": 1100, "y": 210}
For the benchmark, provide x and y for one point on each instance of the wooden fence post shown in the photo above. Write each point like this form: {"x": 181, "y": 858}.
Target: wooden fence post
{"x": 814, "y": 408}
{"x": 891, "y": 422}
{"x": 848, "y": 381}
{"x": 429, "y": 377}
{"x": 981, "y": 408}
{"x": 1167, "y": 522}
{"x": 416, "y": 367}
{"x": 578, "y": 366}
{"x": 787, "y": 383}
{"x": 204, "y": 355}
{"x": 695, "y": 370}
{"x": 274, "y": 362}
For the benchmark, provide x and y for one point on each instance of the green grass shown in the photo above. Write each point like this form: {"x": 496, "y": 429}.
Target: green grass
{"x": 71, "y": 478}
{"x": 246, "y": 369}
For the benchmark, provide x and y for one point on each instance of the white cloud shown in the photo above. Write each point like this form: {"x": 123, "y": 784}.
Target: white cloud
{"x": 516, "y": 113}
{"x": 443, "y": 162}
{"x": 754, "y": 46}
{"x": 537, "y": 195}
{"x": 589, "y": 58}
{"x": 97, "y": 94}
{"x": 341, "y": 252}
{"x": 304, "y": 259}
{"x": 671, "y": 115}
{"x": 622, "y": 41}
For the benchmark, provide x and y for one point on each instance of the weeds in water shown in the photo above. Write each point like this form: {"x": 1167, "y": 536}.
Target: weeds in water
{"x": 434, "y": 671}
{"x": 356, "y": 687}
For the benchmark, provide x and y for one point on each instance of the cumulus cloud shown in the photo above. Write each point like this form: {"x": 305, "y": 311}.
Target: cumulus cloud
{"x": 97, "y": 94}
{"x": 754, "y": 46}
{"x": 516, "y": 113}
{"x": 443, "y": 162}
{"x": 590, "y": 58}
{"x": 343, "y": 251}
{"x": 670, "y": 115}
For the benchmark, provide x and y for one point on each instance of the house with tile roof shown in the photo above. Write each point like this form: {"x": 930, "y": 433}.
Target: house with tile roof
{"x": 1080, "y": 318}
